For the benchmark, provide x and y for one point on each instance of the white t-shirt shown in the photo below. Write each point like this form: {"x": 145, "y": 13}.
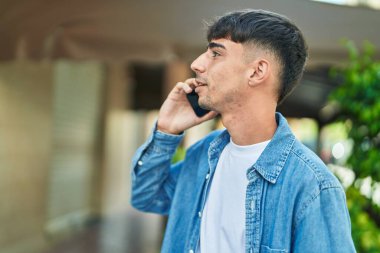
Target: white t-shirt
{"x": 223, "y": 217}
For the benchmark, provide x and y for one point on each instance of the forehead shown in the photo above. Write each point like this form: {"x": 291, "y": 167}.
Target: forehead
{"x": 226, "y": 44}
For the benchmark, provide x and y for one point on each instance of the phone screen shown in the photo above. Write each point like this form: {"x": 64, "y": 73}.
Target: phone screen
{"x": 193, "y": 99}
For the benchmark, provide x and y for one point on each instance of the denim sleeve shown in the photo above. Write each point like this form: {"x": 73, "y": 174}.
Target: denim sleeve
{"x": 153, "y": 176}
{"x": 325, "y": 224}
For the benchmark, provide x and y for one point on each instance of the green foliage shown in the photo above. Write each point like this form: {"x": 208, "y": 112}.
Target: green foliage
{"x": 179, "y": 155}
{"x": 365, "y": 232}
{"x": 359, "y": 103}
{"x": 358, "y": 99}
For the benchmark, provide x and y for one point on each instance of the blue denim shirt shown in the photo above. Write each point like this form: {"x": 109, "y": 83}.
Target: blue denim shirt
{"x": 293, "y": 202}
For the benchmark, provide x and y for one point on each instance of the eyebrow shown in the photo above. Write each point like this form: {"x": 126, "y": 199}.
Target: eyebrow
{"x": 214, "y": 45}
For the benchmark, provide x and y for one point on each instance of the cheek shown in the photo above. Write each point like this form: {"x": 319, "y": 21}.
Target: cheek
{"x": 219, "y": 76}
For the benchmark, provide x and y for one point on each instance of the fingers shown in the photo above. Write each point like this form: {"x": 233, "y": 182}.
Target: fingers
{"x": 183, "y": 86}
{"x": 191, "y": 82}
{"x": 188, "y": 85}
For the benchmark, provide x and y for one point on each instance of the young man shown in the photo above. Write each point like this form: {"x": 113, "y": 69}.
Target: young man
{"x": 252, "y": 187}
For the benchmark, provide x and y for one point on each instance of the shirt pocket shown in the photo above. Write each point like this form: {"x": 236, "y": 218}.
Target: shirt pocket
{"x": 266, "y": 249}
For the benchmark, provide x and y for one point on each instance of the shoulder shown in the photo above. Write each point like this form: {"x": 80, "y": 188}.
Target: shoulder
{"x": 312, "y": 182}
{"x": 312, "y": 167}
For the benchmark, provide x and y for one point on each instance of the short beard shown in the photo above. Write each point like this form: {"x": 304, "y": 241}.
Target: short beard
{"x": 206, "y": 104}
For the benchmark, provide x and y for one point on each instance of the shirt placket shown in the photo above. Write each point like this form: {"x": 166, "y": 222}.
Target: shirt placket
{"x": 212, "y": 162}
{"x": 252, "y": 212}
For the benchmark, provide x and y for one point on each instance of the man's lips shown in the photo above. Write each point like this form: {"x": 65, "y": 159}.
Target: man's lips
{"x": 199, "y": 86}
{"x": 200, "y": 82}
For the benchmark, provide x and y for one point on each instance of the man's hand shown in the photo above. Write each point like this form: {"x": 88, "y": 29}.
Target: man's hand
{"x": 176, "y": 114}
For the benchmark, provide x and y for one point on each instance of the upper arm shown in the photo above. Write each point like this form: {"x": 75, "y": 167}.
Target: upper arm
{"x": 324, "y": 224}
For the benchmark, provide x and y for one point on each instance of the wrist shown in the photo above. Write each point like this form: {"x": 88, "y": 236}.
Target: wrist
{"x": 168, "y": 131}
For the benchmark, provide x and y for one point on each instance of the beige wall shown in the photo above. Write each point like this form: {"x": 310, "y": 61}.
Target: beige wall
{"x": 77, "y": 101}
{"x": 50, "y": 132}
{"x": 25, "y": 145}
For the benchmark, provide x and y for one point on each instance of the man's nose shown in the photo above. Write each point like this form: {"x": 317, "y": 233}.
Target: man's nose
{"x": 198, "y": 65}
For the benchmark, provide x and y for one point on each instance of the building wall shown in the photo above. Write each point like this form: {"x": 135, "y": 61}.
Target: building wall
{"x": 77, "y": 102}
{"x": 25, "y": 149}
{"x": 50, "y": 128}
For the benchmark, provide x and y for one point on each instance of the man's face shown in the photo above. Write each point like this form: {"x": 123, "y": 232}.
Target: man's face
{"x": 221, "y": 75}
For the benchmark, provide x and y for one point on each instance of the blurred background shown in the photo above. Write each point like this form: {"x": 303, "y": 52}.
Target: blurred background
{"x": 80, "y": 85}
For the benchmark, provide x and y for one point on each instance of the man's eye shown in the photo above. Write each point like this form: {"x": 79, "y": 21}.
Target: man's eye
{"x": 214, "y": 54}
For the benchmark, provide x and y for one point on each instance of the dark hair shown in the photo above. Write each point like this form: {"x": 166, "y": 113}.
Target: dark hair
{"x": 269, "y": 31}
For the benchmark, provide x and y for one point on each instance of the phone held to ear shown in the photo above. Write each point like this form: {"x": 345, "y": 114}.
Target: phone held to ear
{"x": 193, "y": 99}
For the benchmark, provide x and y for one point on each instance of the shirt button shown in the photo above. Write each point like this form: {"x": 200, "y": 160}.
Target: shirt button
{"x": 191, "y": 251}
{"x": 207, "y": 176}
{"x": 252, "y": 205}
{"x": 140, "y": 163}
{"x": 199, "y": 214}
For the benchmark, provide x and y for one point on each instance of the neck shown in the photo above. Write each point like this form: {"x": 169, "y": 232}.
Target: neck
{"x": 248, "y": 127}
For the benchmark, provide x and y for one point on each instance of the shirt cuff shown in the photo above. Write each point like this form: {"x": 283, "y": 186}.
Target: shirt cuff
{"x": 164, "y": 141}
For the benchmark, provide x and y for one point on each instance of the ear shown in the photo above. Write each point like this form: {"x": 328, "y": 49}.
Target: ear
{"x": 258, "y": 72}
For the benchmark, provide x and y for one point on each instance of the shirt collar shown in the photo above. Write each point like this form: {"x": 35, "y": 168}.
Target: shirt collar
{"x": 272, "y": 160}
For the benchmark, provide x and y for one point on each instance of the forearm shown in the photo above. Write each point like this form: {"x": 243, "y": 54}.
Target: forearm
{"x": 151, "y": 177}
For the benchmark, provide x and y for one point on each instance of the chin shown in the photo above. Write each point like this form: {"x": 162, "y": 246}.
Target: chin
{"x": 206, "y": 104}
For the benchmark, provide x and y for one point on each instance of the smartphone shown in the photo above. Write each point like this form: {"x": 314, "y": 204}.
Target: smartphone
{"x": 193, "y": 100}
